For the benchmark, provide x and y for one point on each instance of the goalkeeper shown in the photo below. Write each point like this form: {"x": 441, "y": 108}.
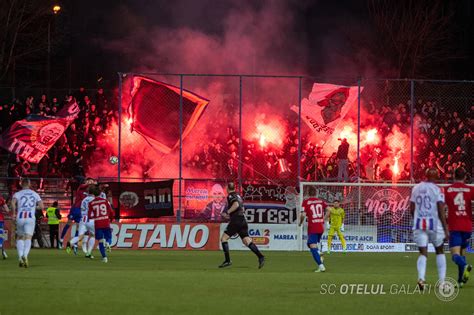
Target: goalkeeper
{"x": 336, "y": 215}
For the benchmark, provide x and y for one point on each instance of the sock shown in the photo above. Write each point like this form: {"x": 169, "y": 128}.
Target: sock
{"x": 343, "y": 240}
{"x": 109, "y": 239}
{"x": 27, "y": 248}
{"x": 20, "y": 245}
{"x": 74, "y": 240}
{"x": 102, "y": 248}
{"x": 225, "y": 248}
{"x": 441, "y": 264}
{"x": 84, "y": 244}
{"x": 316, "y": 257}
{"x": 64, "y": 231}
{"x": 255, "y": 250}
{"x": 90, "y": 245}
{"x": 461, "y": 263}
{"x": 421, "y": 266}
{"x": 329, "y": 242}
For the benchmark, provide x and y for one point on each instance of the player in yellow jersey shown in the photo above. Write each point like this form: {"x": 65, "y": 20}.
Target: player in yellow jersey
{"x": 336, "y": 215}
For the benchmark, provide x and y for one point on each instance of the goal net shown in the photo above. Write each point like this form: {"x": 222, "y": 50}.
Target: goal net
{"x": 377, "y": 215}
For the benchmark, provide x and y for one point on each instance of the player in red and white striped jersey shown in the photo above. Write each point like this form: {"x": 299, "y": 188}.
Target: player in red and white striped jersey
{"x": 429, "y": 224}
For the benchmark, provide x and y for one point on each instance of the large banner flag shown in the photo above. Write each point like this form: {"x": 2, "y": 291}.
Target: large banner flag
{"x": 155, "y": 112}
{"x": 326, "y": 106}
{"x": 32, "y": 137}
{"x": 143, "y": 199}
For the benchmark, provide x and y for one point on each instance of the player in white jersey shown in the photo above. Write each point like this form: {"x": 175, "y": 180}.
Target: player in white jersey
{"x": 429, "y": 224}
{"x": 85, "y": 226}
{"x": 24, "y": 205}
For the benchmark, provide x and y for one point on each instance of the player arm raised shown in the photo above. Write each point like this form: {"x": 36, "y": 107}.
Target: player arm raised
{"x": 442, "y": 218}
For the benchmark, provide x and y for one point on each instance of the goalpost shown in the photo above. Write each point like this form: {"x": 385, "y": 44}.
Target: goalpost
{"x": 377, "y": 215}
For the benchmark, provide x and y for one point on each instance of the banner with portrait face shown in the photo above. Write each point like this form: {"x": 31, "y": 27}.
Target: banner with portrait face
{"x": 205, "y": 200}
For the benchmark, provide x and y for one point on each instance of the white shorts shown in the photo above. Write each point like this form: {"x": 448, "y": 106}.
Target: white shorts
{"x": 435, "y": 237}
{"x": 25, "y": 227}
{"x": 86, "y": 227}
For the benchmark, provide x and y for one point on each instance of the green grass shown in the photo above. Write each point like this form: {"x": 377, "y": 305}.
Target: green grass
{"x": 189, "y": 282}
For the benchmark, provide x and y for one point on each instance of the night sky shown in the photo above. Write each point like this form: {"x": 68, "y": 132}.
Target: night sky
{"x": 321, "y": 38}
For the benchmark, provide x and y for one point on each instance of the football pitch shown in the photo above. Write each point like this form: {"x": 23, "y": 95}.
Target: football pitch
{"x": 189, "y": 282}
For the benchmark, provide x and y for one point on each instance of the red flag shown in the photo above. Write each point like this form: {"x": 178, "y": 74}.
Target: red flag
{"x": 155, "y": 112}
{"x": 326, "y": 106}
{"x": 31, "y": 138}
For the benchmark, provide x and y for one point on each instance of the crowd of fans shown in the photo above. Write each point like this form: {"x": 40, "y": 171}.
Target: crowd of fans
{"x": 443, "y": 140}
{"x": 70, "y": 155}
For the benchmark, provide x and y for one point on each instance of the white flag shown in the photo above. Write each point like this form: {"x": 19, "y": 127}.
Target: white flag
{"x": 326, "y": 106}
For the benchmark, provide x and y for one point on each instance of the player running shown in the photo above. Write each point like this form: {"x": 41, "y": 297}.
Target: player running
{"x": 237, "y": 225}
{"x": 429, "y": 224}
{"x": 85, "y": 226}
{"x": 314, "y": 209}
{"x": 101, "y": 214}
{"x": 336, "y": 216}
{"x": 75, "y": 215}
{"x": 24, "y": 205}
{"x": 458, "y": 200}
{"x": 3, "y": 209}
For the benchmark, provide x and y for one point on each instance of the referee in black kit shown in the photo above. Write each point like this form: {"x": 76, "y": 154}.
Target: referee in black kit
{"x": 237, "y": 225}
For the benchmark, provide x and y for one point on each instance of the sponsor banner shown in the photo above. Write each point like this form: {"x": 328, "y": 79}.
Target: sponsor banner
{"x": 386, "y": 205}
{"x": 365, "y": 247}
{"x": 269, "y": 213}
{"x": 32, "y": 137}
{"x": 352, "y": 233}
{"x": 143, "y": 200}
{"x": 411, "y": 247}
{"x": 276, "y": 194}
{"x": 165, "y": 236}
{"x": 204, "y": 200}
{"x": 268, "y": 237}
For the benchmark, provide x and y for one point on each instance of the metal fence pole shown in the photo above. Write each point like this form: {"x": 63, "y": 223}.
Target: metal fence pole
{"x": 240, "y": 133}
{"x": 119, "y": 155}
{"x": 358, "y": 129}
{"x": 358, "y": 152}
{"x": 412, "y": 123}
{"x": 300, "y": 79}
{"x": 178, "y": 214}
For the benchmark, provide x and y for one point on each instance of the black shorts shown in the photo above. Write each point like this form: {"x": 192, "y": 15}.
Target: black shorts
{"x": 237, "y": 226}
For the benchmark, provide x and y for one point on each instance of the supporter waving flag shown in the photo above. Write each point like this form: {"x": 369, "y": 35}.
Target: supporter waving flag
{"x": 32, "y": 137}
{"x": 326, "y": 106}
{"x": 155, "y": 108}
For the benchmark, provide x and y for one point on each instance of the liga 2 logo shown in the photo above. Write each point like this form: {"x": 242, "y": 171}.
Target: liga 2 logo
{"x": 260, "y": 237}
{"x": 388, "y": 200}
